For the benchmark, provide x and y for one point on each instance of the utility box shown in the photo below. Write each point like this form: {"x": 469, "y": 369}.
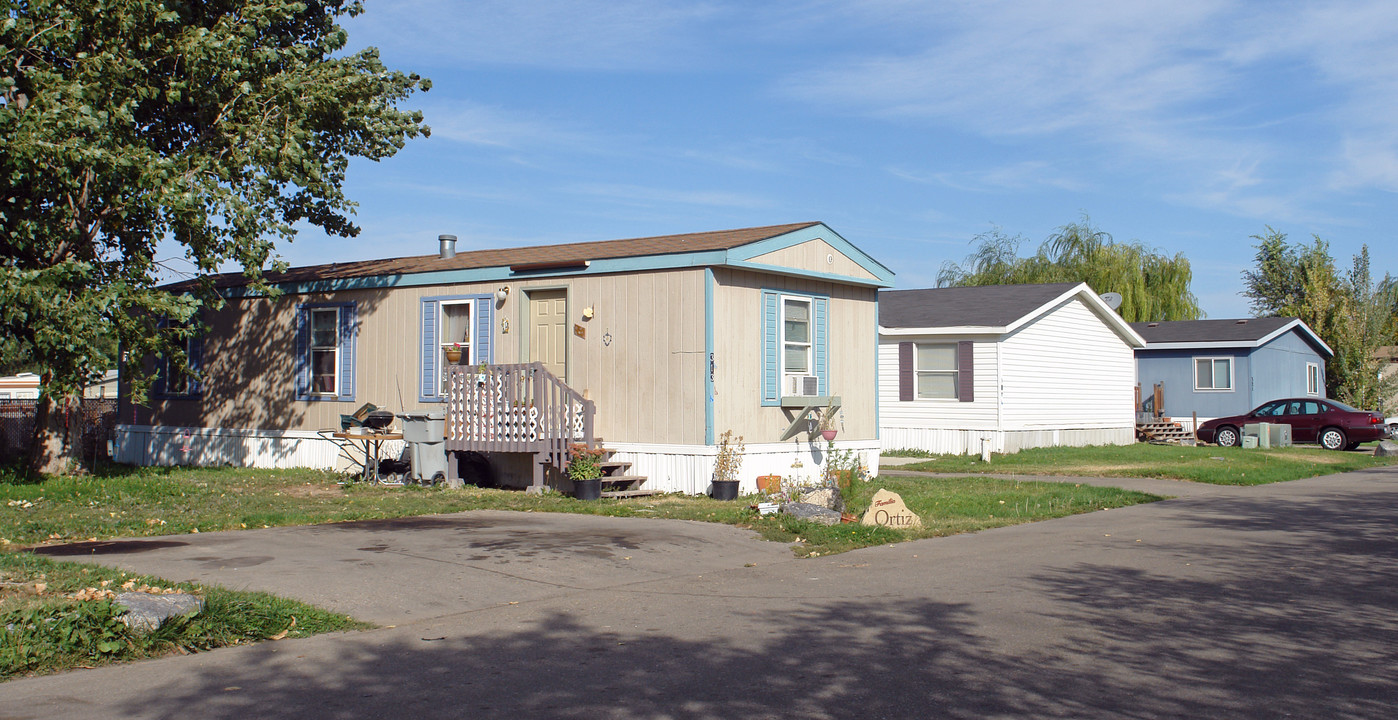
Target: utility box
{"x": 1279, "y": 435}
{"x": 1249, "y": 442}
{"x": 1261, "y": 432}
{"x": 425, "y": 434}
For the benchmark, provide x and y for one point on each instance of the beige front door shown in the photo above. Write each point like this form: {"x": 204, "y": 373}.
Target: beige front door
{"x": 548, "y": 330}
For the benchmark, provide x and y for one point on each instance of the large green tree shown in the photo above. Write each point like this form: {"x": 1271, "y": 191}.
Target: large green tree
{"x": 215, "y": 124}
{"x": 1153, "y": 286}
{"x": 1353, "y": 314}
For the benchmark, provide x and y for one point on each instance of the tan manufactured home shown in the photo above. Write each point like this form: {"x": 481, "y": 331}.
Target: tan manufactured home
{"x": 670, "y": 340}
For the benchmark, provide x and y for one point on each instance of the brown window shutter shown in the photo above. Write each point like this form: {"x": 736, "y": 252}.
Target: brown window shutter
{"x": 905, "y": 371}
{"x": 966, "y": 371}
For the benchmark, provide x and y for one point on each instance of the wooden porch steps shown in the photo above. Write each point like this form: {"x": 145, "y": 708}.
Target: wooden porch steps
{"x": 617, "y": 483}
{"x": 1164, "y": 431}
{"x": 617, "y": 486}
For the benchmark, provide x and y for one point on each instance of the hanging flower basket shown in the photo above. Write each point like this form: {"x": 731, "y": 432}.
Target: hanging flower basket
{"x": 829, "y": 435}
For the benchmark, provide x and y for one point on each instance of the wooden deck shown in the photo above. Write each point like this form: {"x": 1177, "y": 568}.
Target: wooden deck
{"x": 523, "y": 408}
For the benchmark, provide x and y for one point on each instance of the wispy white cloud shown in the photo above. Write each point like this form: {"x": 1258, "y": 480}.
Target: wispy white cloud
{"x": 1030, "y": 174}
{"x": 476, "y": 124}
{"x": 641, "y": 195}
{"x": 1212, "y": 95}
{"x": 1015, "y": 67}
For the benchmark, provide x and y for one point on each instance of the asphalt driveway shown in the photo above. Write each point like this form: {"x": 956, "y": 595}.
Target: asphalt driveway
{"x": 1261, "y": 602}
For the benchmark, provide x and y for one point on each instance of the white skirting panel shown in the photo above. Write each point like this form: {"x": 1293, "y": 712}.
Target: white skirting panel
{"x": 213, "y": 447}
{"x": 690, "y": 468}
{"x": 970, "y": 442}
{"x": 669, "y": 468}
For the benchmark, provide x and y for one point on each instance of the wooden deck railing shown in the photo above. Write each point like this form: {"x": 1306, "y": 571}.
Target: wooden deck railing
{"x": 515, "y": 408}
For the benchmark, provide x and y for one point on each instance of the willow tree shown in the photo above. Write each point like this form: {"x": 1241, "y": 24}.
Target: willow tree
{"x": 217, "y": 125}
{"x": 1153, "y": 286}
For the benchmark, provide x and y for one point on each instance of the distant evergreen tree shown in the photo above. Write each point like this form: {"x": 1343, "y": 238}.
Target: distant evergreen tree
{"x": 1349, "y": 311}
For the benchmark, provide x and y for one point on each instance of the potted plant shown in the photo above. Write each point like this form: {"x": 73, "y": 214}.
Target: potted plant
{"x": 827, "y": 423}
{"x": 730, "y": 460}
{"x": 585, "y": 470}
{"x": 453, "y": 352}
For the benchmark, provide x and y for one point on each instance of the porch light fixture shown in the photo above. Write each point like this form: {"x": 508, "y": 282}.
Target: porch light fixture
{"x": 502, "y": 293}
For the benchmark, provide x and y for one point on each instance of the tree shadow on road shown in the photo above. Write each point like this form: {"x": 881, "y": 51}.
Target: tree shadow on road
{"x": 1293, "y": 617}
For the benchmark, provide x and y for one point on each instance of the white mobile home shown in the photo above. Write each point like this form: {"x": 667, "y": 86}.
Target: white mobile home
{"x": 1003, "y": 368}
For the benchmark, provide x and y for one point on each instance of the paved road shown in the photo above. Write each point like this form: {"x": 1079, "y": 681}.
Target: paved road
{"x": 1264, "y": 602}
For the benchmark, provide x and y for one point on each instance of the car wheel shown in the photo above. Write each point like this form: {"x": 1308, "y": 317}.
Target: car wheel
{"x": 1227, "y": 436}
{"x": 1333, "y": 439}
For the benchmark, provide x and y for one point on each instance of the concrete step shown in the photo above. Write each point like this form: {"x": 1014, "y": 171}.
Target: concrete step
{"x": 628, "y": 493}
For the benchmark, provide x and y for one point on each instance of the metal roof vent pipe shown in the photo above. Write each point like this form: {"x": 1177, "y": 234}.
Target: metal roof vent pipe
{"x": 448, "y": 246}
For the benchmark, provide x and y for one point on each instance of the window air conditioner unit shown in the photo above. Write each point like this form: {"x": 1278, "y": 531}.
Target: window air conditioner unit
{"x": 801, "y": 386}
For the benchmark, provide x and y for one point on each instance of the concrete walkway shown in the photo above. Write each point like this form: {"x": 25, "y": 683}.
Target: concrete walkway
{"x": 1261, "y": 602}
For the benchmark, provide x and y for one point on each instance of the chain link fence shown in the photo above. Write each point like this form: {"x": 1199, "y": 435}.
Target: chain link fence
{"x": 89, "y": 422}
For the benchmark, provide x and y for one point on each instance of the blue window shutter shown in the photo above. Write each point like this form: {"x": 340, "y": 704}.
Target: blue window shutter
{"x": 822, "y": 347}
{"x": 303, "y": 348}
{"x": 429, "y": 350}
{"x": 485, "y": 311}
{"x": 348, "y": 330}
{"x": 771, "y": 350}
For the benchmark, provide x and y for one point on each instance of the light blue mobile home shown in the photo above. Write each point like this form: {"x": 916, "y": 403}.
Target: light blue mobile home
{"x": 1215, "y": 368}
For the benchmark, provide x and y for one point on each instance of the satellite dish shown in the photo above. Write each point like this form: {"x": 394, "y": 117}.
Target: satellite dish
{"x": 1113, "y": 300}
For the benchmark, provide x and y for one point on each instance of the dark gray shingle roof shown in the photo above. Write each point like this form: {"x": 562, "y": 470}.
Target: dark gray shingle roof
{"x": 1244, "y": 330}
{"x": 976, "y": 306}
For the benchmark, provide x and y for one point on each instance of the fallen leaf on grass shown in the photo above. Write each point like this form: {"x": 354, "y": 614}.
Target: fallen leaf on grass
{"x": 283, "y": 633}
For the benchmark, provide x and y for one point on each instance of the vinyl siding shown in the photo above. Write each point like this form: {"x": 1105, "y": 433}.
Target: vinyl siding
{"x": 1279, "y": 368}
{"x": 738, "y": 355}
{"x": 815, "y": 256}
{"x": 1175, "y": 370}
{"x": 648, "y": 383}
{"x": 1067, "y": 369}
{"x": 979, "y": 415}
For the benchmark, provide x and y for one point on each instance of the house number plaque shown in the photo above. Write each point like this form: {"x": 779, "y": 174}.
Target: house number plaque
{"x": 580, "y": 331}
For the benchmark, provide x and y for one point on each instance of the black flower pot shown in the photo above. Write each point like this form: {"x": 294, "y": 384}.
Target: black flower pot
{"x": 587, "y": 489}
{"x": 725, "y": 490}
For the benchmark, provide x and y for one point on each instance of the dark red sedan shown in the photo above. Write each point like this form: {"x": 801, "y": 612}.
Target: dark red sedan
{"x": 1335, "y": 425}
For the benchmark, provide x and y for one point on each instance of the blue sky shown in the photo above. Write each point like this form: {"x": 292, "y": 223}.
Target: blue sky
{"x": 909, "y": 127}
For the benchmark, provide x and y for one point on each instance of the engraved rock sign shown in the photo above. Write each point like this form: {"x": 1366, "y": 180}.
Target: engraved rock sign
{"x": 887, "y": 509}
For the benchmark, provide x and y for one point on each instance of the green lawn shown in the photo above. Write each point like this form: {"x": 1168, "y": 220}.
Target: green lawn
{"x": 1208, "y": 464}
{"x": 164, "y": 501}
{"x": 59, "y": 616}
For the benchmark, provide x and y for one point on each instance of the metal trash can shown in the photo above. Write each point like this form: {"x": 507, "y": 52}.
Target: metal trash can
{"x": 425, "y": 434}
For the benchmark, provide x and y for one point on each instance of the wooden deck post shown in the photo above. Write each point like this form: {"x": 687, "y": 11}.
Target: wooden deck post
{"x": 538, "y": 485}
